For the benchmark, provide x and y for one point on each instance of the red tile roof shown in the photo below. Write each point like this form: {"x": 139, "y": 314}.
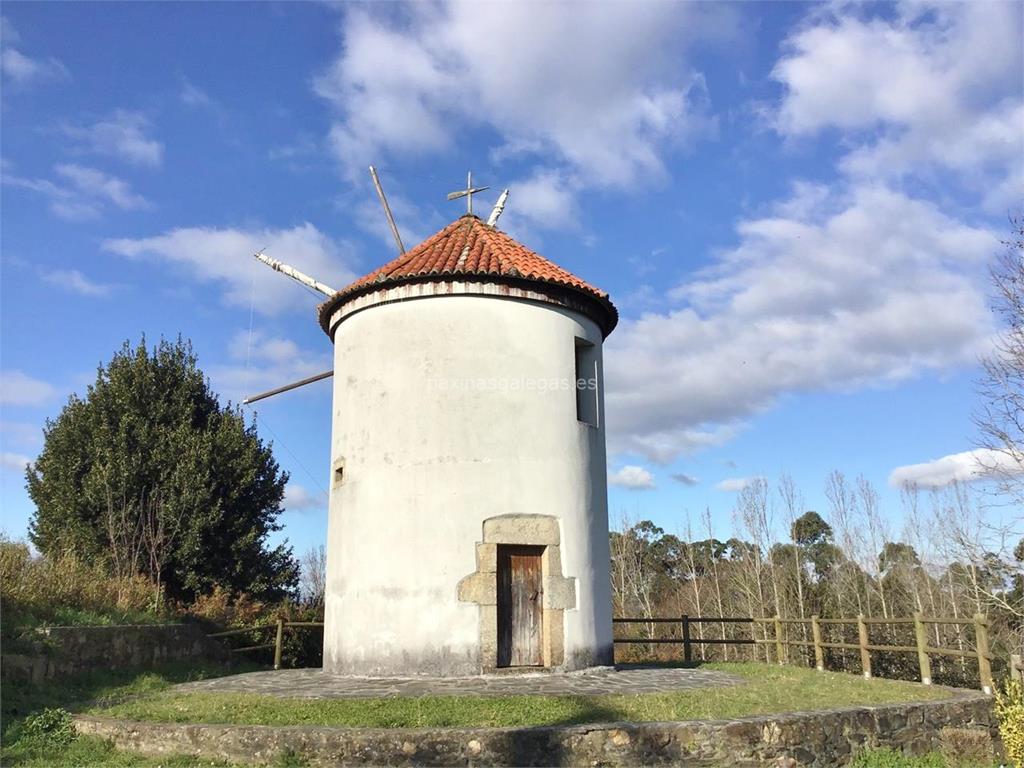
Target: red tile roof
{"x": 468, "y": 246}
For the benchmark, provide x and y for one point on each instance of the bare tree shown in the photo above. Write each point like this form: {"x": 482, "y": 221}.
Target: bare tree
{"x": 160, "y": 526}
{"x": 843, "y": 518}
{"x": 1001, "y": 417}
{"x": 633, "y": 588}
{"x": 876, "y": 535}
{"x": 706, "y": 519}
{"x": 314, "y": 575}
{"x": 792, "y": 502}
{"x": 123, "y": 526}
{"x": 694, "y": 574}
{"x": 753, "y": 513}
{"x": 921, "y": 538}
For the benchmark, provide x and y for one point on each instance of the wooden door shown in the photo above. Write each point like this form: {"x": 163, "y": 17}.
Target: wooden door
{"x": 520, "y": 606}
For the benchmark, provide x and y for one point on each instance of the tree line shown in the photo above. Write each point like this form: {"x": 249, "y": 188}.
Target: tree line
{"x": 948, "y": 558}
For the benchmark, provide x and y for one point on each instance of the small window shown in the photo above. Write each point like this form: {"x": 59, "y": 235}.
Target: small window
{"x": 339, "y": 472}
{"x": 586, "y": 382}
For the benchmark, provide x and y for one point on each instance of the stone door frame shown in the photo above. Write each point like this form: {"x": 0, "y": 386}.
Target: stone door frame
{"x": 481, "y": 586}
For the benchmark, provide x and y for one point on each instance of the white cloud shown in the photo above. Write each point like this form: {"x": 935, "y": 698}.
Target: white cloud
{"x": 962, "y": 467}
{"x": 298, "y": 499}
{"x": 18, "y": 388}
{"x": 546, "y": 197}
{"x": 262, "y": 362}
{"x": 21, "y": 433}
{"x": 98, "y": 185}
{"x": 74, "y": 281}
{"x": 685, "y": 479}
{"x": 122, "y": 135}
{"x": 735, "y": 484}
{"x": 192, "y": 95}
{"x": 83, "y": 193}
{"x": 21, "y": 69}
{"x": 632, "y": 477}
{"x": 415, "y": 222}
{"x": 601, "y": 91}
{"x": 15, "y": 461}
{"x": 225, "y": 257}
{"x": 936, "y": 87}
{"x": 830, "y": 292}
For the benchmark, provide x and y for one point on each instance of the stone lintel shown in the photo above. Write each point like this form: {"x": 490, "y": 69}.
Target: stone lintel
{"x": 539, "y": 530}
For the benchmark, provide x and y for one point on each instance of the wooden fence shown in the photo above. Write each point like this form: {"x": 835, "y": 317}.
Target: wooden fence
{"x": 781, "y": 641}
{"x": 280, "y": 625}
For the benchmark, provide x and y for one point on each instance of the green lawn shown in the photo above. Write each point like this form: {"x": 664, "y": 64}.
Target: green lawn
{"x": 768, "y": 689}
{"x": 145, "y": 695}
{"x": 21, "y": 701}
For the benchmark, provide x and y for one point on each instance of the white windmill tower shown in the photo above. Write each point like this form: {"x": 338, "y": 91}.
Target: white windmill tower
{"x": 468, "y": 526}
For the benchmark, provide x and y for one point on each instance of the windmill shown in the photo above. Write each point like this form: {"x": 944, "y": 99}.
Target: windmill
{"x": 310, "y": 282}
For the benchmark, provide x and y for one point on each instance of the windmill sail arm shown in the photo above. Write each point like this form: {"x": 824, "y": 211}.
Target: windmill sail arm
{"x": 498, "y": 208}
{"x": 294, "y": 274}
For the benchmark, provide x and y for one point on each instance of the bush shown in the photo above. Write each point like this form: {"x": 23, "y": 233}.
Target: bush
{"x": 303, "y": 646}
{"x": 1009, "y": 710}
{"x": 51, "y": 729}
{"x": 37, "y": 590}
{"x": 221, "y": 610}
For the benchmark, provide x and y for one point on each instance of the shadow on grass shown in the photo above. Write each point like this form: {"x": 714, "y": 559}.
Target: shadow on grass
{"x": 660, "y": 665}
{"x": 21, "y": 699}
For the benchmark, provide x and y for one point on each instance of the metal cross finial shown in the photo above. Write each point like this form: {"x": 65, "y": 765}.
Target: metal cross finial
{"x": 467, "y": 193}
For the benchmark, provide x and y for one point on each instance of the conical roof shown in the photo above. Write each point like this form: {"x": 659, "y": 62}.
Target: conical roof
{"x": 470, "y": 250}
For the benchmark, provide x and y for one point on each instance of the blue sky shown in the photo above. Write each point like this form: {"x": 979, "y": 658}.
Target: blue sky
{"x": 793, "y": 207}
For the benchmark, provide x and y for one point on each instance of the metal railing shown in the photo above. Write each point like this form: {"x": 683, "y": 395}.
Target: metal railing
{"x": 781, "y": 640}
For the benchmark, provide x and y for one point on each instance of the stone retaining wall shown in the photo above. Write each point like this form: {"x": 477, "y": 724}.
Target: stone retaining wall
{"x": 62, "y": 651}
{"x": 819, "y": 739}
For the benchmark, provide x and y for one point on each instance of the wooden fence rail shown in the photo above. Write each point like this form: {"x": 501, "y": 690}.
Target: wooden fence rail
{"x": 781, "y": 641}
{"x": 280, "y": 626}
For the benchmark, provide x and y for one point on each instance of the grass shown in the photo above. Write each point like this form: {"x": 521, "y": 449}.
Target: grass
{"x": 768, "y": 689}
{"x": 890, "y": 758}
{"x": 46, "y": 741}
{"x": 23, "y": 748}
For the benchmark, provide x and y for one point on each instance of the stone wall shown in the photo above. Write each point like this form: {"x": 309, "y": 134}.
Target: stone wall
{"x": 61, "y": 651}
{"x": 818, "y": 739}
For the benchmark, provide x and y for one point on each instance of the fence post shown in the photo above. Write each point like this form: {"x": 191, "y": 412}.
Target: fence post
{"x": 1017, "y": 667}
{"x": 279, "y": 640}
{"x": 981, "y": 644}
{"x": 922, "y": 648}
{"x": 819, "y": 652}
{"x": 779, "y": 650}
{"x": 687, "y": 647}
{"x": 862, "y": 640}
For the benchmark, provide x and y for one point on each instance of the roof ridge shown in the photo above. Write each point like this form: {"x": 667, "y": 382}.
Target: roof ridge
{"x": 460, "y": 265}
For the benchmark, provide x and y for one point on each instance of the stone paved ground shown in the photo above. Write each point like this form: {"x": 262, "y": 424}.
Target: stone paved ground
{"x": 314, "y": 684}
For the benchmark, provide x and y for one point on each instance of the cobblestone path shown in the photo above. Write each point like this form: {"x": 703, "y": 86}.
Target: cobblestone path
{"x": 314, "y": 684}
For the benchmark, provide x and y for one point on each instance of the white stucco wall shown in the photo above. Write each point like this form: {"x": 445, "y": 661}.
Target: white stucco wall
{"x": 427, "y": 458}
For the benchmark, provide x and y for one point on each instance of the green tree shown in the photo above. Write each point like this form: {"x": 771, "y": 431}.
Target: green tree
{"x": 150, "y": 474}
{"x": 810, "y": 529}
